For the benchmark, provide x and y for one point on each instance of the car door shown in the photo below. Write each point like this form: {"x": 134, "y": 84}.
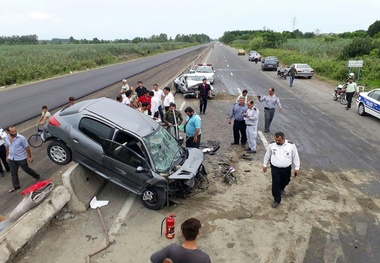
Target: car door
{"x": 129, "y": 168}
{"x": 372, "y": 104}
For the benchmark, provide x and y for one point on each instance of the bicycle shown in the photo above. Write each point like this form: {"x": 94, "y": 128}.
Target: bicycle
{"x": 35, "y": 140}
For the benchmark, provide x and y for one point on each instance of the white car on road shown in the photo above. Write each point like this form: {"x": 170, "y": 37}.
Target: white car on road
{"x": 206, "y": 70}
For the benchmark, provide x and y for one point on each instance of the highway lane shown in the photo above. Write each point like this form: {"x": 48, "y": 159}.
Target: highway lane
{"x": 18, "y": 104}
{"x": 328, "y": 136}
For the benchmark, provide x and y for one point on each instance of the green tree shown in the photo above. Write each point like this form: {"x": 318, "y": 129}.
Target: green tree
{"x": 358, "y": 47}
{"x": 374, "y": 28}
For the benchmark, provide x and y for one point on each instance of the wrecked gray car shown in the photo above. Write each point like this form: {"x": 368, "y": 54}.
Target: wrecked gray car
{"x": 126, "y": 147}
{"x": 187, "y": 84}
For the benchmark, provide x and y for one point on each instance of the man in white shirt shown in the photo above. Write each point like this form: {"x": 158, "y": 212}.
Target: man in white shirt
{"x": 281, "y": 153}
{"x": 124, "y": 87}
{"x": 127, "y": 99}
{"x": 168, "y": 98}
{"x": 154, "y": 112}
{"x": 159, "y": 94}
{"x": 3, "y": 155}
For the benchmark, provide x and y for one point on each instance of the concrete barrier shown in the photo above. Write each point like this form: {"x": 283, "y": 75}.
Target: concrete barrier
{"x": 82, "y": 184}
{"x": 24, "y": 230}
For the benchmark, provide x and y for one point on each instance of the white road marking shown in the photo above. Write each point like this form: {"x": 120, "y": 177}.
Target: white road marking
{"x": 263, "y": 139}
{"x": 119, "y": 220}
{"x": 182, "y": 105}
{"x": 232, "y": 74}
{"x": 205, "y": 61}
{"x": 239, "y": 91}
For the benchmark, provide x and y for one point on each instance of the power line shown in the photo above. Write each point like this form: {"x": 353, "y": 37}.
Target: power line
{"x": 294, "y": 21}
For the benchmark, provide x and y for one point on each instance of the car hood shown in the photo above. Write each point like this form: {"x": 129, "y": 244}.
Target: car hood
{"x": 190, "y": 167}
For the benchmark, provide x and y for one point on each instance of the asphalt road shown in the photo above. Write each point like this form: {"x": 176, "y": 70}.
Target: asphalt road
{"x": 22, "y": 103}
{"x": 339, "y": 161}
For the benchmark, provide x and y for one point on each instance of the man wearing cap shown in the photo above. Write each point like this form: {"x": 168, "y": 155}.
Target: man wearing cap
{"x": 203, "y": 93}
{"x": 124, "y": 87}
{"x": 351, "y": 90}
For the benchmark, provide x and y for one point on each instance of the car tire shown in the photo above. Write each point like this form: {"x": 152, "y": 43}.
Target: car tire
{"x": 59, "y": 153}
{"x": 309, "y": 77}
{"x": 361, "y": 110}
{"x": 153, "y": 198}
{"x": 275, "y": 69}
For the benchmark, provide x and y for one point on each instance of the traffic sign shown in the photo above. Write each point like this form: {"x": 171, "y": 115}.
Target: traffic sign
{"x": 355, "y": 63}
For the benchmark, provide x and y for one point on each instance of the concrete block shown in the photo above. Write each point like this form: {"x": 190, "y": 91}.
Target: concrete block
{"x": 83, "y": 184}
{"x": 24, "y": 229}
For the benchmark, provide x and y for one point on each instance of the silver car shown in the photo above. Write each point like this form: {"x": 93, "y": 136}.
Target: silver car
{"x": 302, "y": 70}
{"x": 188, "y": 84}
{"x": 126, "y": 147}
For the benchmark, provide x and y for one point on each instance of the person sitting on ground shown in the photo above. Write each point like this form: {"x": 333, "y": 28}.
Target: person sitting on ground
{"x": 187, "y": 252}
{"x": 144, "y": 108}
{"x": 127, "y": 99}
{"x": 119, "y": 98}
{"x": 72, "y": 101}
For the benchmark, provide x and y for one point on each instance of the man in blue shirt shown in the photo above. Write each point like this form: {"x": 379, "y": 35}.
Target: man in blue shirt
{"x": 18, "y": 154}
{"x": 239, "y": 127}
{"x": 192, "y": 128}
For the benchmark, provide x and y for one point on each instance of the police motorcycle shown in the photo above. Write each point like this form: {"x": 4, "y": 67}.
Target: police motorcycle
{"x": 340, "y": 94}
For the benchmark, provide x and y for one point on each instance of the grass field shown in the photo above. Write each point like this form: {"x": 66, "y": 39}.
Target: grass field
{"x": 24, "y": 63}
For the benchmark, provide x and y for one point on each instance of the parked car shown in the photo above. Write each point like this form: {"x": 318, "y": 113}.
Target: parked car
{"x": 369, "y": 102}
{"x": 241, "y": 52}
{"x": 253, "y": 55}
{"x": 207, "y": 71}
{"x": 271, "y": 57}
{"x": 303, "y": 70}
{"x": 187, "y": 84}
{"x": 126, "y": 147}
{"x": 269, "y": 64}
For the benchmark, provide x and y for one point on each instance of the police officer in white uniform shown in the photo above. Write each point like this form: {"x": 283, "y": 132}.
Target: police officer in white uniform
{"x": 281, "y": 153}
{"x": 3, "y": 156}
{"x": 270, "y": 103}
{"x": 251, "y": 118}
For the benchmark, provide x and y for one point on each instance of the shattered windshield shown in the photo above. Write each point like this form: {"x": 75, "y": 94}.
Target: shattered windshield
{"x": 195, "y": 78}
{"x": 163, "y": 149}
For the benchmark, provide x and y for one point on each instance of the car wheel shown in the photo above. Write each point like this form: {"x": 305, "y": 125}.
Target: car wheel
{"x": 59, "y": 153}
{"x": 309, "y": 77}
{"x": 343, "y": 101}
{"x": 275, "y": 69}
{"x": 361, "y": 109}
{"x": 153, "y": 197}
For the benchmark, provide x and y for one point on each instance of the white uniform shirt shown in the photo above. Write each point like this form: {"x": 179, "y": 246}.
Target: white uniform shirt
{"x": 168, "y": 98}
{"x": 155, "y": 103}
{"x": 159, "y": 94}
{"x": 282, "y": 156}
{"x": 3, "y": 134}
{"x": 252, "y": 117}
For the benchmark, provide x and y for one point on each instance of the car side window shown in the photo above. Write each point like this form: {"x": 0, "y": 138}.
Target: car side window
{"x": 95, "y": 130}
{"x": 375, "y": 95}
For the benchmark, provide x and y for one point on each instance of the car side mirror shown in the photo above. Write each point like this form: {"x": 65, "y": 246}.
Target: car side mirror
{"x": 141, "y": 169}
{"x": 180, "y": 140}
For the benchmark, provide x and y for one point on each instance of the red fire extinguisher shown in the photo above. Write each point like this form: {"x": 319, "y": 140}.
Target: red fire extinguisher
{"x": 170, "y": 222}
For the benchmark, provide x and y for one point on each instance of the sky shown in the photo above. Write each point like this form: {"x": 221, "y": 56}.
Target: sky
{"x": 126, "y": 19}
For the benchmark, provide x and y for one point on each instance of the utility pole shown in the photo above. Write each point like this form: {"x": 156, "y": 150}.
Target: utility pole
{"x": 294, "y": 21}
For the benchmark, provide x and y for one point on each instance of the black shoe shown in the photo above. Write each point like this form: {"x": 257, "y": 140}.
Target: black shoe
{"x": 283, "y": 192}
{"x": 2, "y": 174}
{"x": 204, "y": 113}
{"x": 347, "y": 108}
{"x": 275, "y": 204}
{"x": 232, "y": 143}
{"x": 266, "y": 131}
{"x": 243, "y": 145}
{"x": 38, "y": 179}
{"x": 250, "y": 151}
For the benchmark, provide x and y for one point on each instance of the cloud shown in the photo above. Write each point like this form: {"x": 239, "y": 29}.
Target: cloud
{"x": 39, "y": 16}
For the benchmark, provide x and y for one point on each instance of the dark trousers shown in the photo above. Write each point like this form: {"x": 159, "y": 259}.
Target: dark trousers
{"x": 161, "y": 113}
{"x": 202, "y": 104}
{"x": 14, "y": 165}
{"x": 3, "y": 158}
{"x": 268, "y": 115}
{"x": 280, "y": 179}
{"x": 349, "y": 96}
{"x": 240, "y": 128}
{"x": 191, "y": 144}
